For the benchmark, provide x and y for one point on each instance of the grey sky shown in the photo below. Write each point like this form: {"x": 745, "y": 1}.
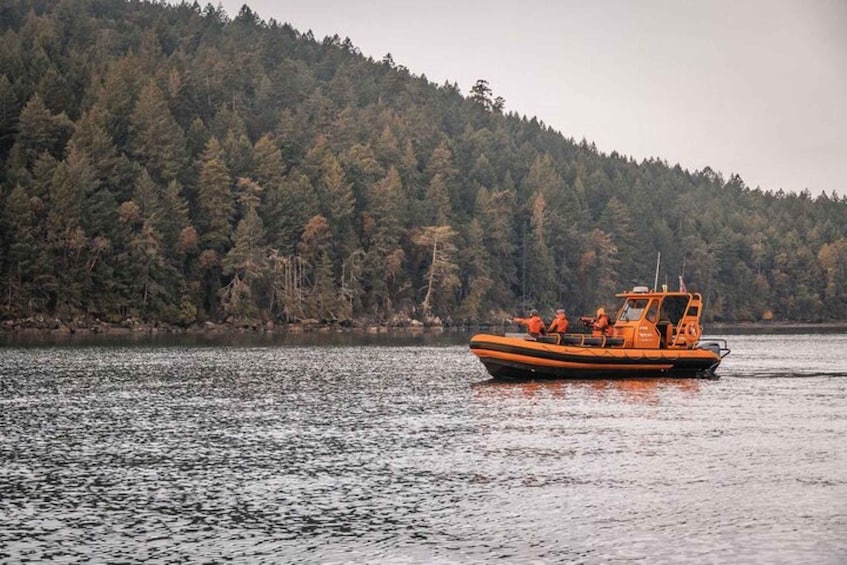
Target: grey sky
{"x": 754, "y": 87}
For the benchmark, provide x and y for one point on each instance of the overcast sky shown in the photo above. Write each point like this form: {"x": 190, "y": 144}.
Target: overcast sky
{"x": 754, "y": 87}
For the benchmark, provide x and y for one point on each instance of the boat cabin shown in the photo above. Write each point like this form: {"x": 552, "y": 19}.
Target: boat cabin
{"x": 659, "y": 319}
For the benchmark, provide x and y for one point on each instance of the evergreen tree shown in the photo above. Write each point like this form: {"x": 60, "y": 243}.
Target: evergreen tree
{"x": 338, "y": 205}
{"x": 147, "y": 264}
{"x": 67, "y": 240}
{"x": 39, "y": 131}
{"x": 245, "y": 263}
{"x": 833, "y": 261}
{"x": 597, "y": 270}
{"x": 442, "y": 173}
{"x": 9, "y": 109}
{"x": 156, "y": 140}
{"x": 215, "y": 199}
{"x": 495, "y": 212}
{"x": 289, "y": 208}
{"x": 114, "y": 171}
{"x": 314, "y": 246}
{"x": 269, "y": 172}
{"x": 116, "y": 94}
{"x": 440, "y": 274}
{"x": 540, "y": 268}
{"x": 617, "y": 222}
{"x": 384, "y": 257}
{"x": 475, "y": 273}
{"x": 23, "y": 255}
{"x": 481, "y": 93}
{"x": 437, "y": 207}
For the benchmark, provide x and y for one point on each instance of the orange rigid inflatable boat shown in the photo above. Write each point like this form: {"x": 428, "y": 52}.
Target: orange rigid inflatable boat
{"x": 655, "y": 334}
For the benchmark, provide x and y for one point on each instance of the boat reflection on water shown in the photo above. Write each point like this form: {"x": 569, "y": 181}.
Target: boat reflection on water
{"x": 635, "y": 390}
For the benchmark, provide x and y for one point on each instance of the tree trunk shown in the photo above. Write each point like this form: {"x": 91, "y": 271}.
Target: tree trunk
{"x": 431, "y": 277}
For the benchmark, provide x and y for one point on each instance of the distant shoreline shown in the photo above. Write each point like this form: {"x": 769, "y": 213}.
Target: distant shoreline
{"x": 777, "y": 325}
{"x": 43, "y": 326}
{"x": 50, "y": 326}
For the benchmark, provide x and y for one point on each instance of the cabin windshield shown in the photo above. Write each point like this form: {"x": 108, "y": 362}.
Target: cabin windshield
{"x": 632, "y": 309}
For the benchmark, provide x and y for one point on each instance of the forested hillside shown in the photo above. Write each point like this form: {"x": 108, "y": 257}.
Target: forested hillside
{"x": 174, "y": 164}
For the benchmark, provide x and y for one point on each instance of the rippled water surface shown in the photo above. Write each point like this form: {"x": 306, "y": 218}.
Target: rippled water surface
{"x": 403, "y": 451}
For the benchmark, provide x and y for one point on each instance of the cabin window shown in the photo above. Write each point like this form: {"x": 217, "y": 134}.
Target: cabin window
{"x": 632, "y": 309}
{"x": 653, "y": 311}
{"x": 693, "y": 311}
{"x": 673, "y": 308}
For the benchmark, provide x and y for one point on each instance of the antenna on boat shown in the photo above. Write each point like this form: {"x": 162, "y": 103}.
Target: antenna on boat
{"x": 656, "y": 280}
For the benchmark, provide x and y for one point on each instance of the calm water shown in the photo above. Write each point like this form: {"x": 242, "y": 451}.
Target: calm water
{"x": 401, "y": 451}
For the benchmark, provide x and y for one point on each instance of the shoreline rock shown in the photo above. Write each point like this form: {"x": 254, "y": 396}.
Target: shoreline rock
{"x": 42, "y": 325}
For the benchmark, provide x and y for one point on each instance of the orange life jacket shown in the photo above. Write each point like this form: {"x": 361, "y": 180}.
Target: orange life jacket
{"x": 601, "y": 326}
{"x": 534, "y": 325}
{"x": 559, "y": 324}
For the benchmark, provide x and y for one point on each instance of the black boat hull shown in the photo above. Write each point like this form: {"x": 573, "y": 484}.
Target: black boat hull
{"x": 516, "y": 358}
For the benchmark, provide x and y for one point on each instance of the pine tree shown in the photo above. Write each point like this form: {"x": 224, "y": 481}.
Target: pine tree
{"x": 103, "y": 267}
{"x": 384, "y": 257}
{"x": 147, "y": 197}
{"x": 245, "y": 263}
{"x": 268, "y": 166}
{"x": 338, "y": 205}
{"x": 269, "y": 171}
{"x": 832, "y": 258}
{"x": 481, "y": 93}
{"x": 597, "y": 270}
{"x": 197, "y": 137}
{"x": 323, "y": 298}
{"x": 238, "y": 153}
{"x": 9, "y": 109}
{"x": 156, "y": 140}
{"x": 437, "y": 202}
{"x": 72, "y": 180}
{"x": 173, "y": 218}
{"x": 440, "y": 276}
{"x": 39, "y": 131}
{"x": 314, "y": 248}
{"x": 540, "y": 267}
{"x": 24, "y": 250}
{"x": 116, "y": 94}
{"x": 616, "y": 221}
{"x": 114, "y": 171}
{"x": 55, "y": 91}
{"x": 495, "y": 211}
{"x": 289, "y": 207}
{"x": 438, "y": 205}
{"x": 147, "y": 263}
{"x": 215, "y": 199}
{"x": 475, "y": 272}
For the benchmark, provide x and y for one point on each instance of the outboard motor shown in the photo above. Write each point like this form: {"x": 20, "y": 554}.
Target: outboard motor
{"x": 717, "y": 346}
{"x": 712, "y": 346}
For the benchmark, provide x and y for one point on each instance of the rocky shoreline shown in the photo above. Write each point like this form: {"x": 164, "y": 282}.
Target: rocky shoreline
{"x": 44, "y": 325}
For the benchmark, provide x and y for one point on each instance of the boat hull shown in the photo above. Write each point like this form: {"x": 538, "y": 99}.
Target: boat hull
{"x": 519, "y": 358}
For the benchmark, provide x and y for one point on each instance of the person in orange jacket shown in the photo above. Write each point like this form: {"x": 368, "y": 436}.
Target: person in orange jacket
{"x": 559, "y": 324}
{"x": 534, "y": 324}
{"x": 601, "y": 325}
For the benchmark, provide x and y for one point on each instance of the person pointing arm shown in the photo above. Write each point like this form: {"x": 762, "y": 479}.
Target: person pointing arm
{"x": 534, "y": 324}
